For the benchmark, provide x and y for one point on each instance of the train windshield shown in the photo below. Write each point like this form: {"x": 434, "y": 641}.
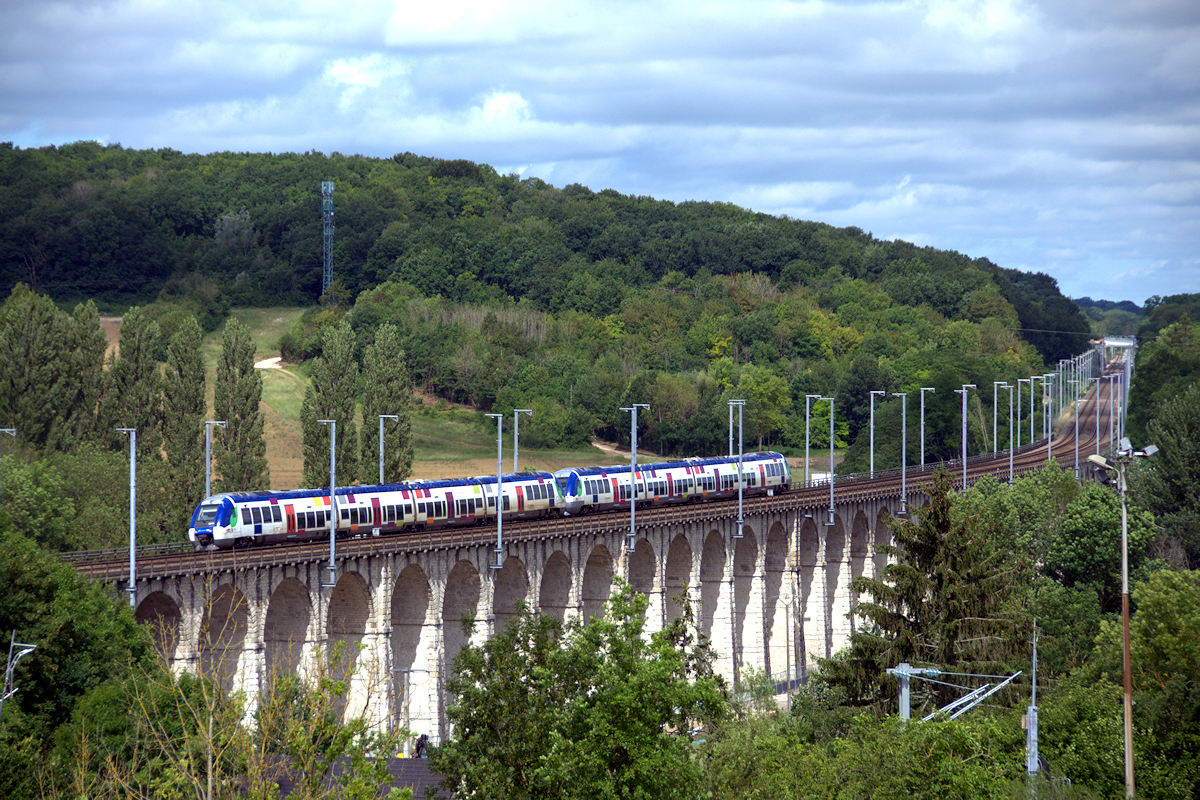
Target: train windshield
{"x": 207, "y": 515}
{"x": 567, "y": 484}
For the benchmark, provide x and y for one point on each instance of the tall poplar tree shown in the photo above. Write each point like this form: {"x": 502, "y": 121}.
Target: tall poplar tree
{"x": 133, "y": 386}
{"x": 240, "y": 450}
{"x": 183, "y": 422}
{"x": 332, "y": 394}
{"x": 32, "y": 338}
{"x": 386, "y": 389}
{"x": 82, "y": 383}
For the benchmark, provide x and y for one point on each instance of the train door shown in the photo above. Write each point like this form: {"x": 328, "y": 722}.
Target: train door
{"x": 289, "y": 512}
{"x": 450, "y": 510}
{"x": 377, "y": 510}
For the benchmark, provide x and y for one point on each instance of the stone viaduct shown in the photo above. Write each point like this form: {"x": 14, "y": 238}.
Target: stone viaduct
{"x": 775, "y": 599}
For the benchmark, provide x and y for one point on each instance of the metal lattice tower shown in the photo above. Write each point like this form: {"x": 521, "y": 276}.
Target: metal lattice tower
{"x": 327, "y": 217}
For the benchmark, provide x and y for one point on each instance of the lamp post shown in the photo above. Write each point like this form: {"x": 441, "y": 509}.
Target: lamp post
{"x": 1119, "y": 465}
{"x": 1009, "y": 386}
{"x": 1111, "y": 380}
{"x": 1049, "y": 415}
{"x": 903, "y": 450}
{"x": 10, "y": 667}
{"x": 517, "y": 412}
{"x": 1075, "y": 388}
{"x": 1033, "y": 406}
{"x": 11, "y": 432}
{"x": 963, "y": 391}
{"x": 208, "y": 423}
{"x": 995, "y": 406}
{"x": 830, "y": 399}
{"x": 633, "y": 411}
{"x": 382, "y": 417}
{"x": 873, "y": 393}
{"x": 1021, "y": 416}
{"x": 737, "y": 534}
{"x": 923, "y": 390}
{"x": 499, "y": 491}
{"x": 331, "y": 581}
{"x": 808, "y": 398}
{"x": 132, "y": 514}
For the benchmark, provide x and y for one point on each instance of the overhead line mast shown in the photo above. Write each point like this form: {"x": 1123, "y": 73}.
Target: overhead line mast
{"x": 327, "y": 218}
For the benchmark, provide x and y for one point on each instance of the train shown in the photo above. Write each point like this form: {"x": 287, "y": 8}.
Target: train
{"x": 244, "y": 518}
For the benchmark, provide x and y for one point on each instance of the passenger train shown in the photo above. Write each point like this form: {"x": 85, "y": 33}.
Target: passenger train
{"x": 241, "y": 518}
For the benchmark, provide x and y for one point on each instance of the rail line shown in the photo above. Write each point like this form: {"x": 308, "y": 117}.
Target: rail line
{"x": 181, "y": 558}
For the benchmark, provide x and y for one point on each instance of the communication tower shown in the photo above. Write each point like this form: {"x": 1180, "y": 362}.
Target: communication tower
{"x": 327, "y": 217}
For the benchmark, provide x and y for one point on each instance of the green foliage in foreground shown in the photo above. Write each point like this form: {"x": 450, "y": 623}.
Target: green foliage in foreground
{"x": 585, "y": 710}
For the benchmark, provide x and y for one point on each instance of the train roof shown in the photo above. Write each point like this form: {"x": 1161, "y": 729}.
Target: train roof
{"x": 654, "y": 465}
{"x": 343, "y": 491}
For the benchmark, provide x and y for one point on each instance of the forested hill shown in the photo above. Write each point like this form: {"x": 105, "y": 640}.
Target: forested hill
{"x": 120, "y": 226}
{"x": 512, "y": 293}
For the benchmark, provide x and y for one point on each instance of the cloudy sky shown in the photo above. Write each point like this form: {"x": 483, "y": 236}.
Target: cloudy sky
{"x": 1060, "y": 136}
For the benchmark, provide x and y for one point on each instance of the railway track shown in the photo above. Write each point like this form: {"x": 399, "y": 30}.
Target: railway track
{"x": 176, "y": 559}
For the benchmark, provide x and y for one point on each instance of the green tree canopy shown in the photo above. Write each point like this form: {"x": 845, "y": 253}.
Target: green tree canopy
{"x": 596, "y": 709}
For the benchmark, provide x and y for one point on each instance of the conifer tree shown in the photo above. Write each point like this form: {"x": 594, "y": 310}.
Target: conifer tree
{"x": 240, "y": 451}
{"x": 183, "y": 423}
{"x": 32, "y": 338}
{"x": 332, "y": 394}
{"x": 83, "y": 379}
{"x": 947, "y": 598}
{"x": 386, "y": 389}
{"x": 133, "y": 386}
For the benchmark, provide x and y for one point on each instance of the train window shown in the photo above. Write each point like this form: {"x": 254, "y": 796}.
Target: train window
{"x": 276, "y": 514}
{"x": 420, "y": 508}
{"x": 207, "y": 515}
{"x": 345, "y": 515}
{"x": 256, "y": 515}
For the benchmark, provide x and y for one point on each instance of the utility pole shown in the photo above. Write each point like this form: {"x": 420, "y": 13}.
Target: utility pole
{"x": 327, "y": 227}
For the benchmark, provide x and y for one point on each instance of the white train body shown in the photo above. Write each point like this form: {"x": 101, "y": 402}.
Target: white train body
{"x": 225, "y": 520}
{"x": 252, "y": 517}
{"x": 586, "y": 489}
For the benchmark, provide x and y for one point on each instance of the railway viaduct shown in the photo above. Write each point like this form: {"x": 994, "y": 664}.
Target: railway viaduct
{"x": 774, "y": 598}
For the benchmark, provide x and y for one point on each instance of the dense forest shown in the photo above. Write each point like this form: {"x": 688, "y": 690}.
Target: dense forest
{"x": 501, "y": 292}
{"x": 508, "y": 292}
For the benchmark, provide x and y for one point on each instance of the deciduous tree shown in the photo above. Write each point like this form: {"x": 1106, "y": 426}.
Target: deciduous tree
{"x": 589, "y": 710}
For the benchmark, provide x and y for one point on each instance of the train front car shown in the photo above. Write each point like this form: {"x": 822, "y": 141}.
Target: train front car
{"x": 210, "y": 522}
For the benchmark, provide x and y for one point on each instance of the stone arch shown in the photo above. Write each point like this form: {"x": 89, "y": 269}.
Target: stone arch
{"x": 223, "y": 634}
{"x": 745, "y": 560}
{"x": 837, "y": 599}
{"x": 811, "y": 605}
{"x": 678, "y": 574}
{"x": 641, "y": 568}
{"x": 555, "y": 594}
{"x": 597, "y": 581}
{"x": 776, "y": 607}
{"x": 160, "y": 613}
{"x": 413, "y": 638}
{"x": 883, "y": 538}
{"x": 509, "y": 585}
{"x": 349, "y": 610}
{"x": 285, "y": 627}
{"x": 860, "y": 533}
{"x": 712, "y": 578}
{"x": 462, "y": 598}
